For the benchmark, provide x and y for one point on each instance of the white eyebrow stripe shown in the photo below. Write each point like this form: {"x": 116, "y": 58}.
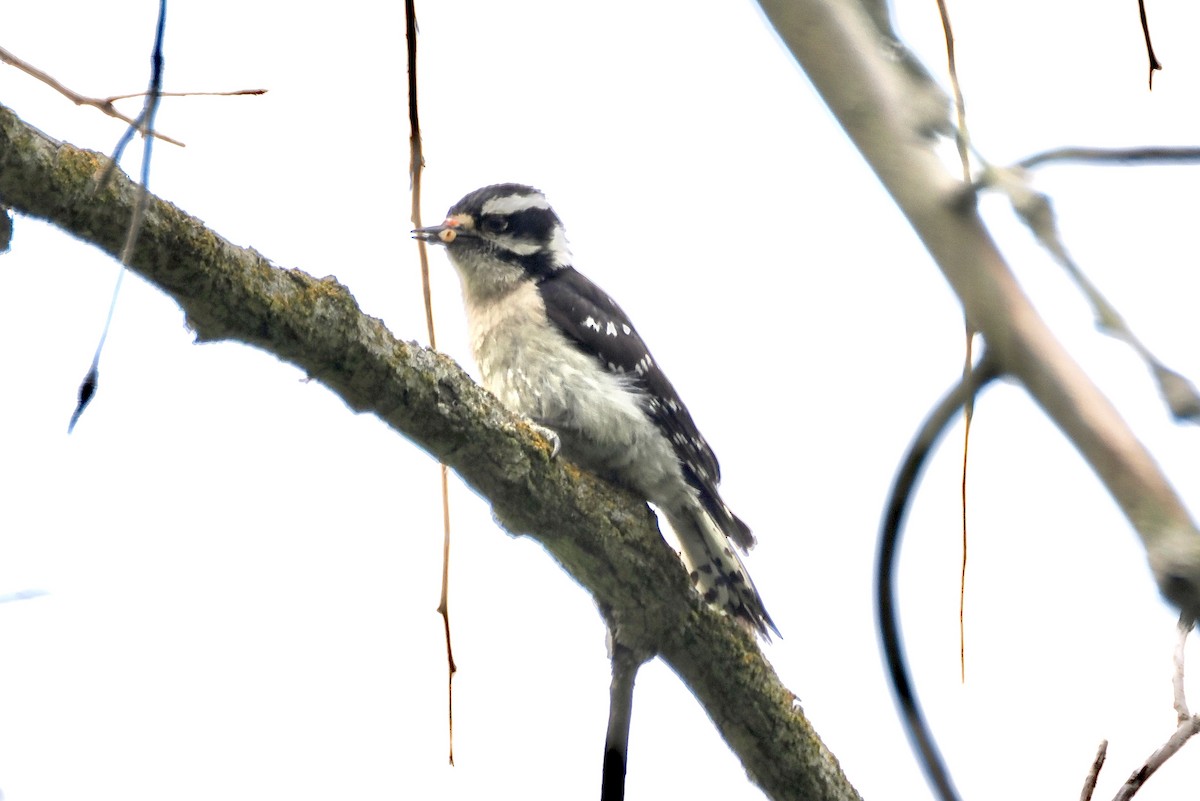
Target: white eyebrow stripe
{"x": 510, "y": 204}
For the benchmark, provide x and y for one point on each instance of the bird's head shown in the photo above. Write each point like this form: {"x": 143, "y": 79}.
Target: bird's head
{"x": 500, "y": 235}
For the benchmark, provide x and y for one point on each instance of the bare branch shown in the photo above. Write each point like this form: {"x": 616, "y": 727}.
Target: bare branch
{"x": 1036, "y": 211}
{"x": 106, "y": 104}
{"x": 1089, "y": 783}
{"x": 920, "y": 736}
{"x": 1186, "y": 730}
{"x": 234, "y": 93}
{"x": 604, "y": 537}
{"x": 890, "y": 115}
{"x": 1189, "y": 725}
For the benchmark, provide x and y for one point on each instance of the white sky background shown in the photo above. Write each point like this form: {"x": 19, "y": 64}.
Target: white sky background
{"x": 243, "y": 573}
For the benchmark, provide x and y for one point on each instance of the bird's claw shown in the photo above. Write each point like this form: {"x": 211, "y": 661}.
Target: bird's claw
{"x": 551, "y": 436}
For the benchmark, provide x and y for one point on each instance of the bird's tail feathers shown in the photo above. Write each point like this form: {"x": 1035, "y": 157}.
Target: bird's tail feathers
{"x": 717, "y": 570}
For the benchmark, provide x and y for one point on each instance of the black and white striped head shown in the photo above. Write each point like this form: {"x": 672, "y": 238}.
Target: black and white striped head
{"x": 500, "y": 234}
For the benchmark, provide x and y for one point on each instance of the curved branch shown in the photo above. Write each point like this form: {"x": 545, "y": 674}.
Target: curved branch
{"x": 603, "y": 537}
{"x": 887, "y": 616}
{"x": 891, "y": 115}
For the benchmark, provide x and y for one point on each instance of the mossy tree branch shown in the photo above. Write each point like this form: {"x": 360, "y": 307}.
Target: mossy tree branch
{"x": 603, "y": 537}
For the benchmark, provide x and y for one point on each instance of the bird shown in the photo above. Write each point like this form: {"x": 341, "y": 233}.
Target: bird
{"x": 555, "y": 349}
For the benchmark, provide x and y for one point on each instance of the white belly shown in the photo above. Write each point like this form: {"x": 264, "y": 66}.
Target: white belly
{"x": 599, "y": 416}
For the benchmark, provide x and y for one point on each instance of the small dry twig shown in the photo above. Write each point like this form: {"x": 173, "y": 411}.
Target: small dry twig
{"x": 416, "y": 163}
{"x": 1154, "y": 64}
{"x": 234, "y": 93}
{"x": 106, "y": 104}
{"x": 961, "y": 137}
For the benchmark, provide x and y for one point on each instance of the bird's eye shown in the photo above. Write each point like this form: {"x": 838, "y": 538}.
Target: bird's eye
{"x": 494, "y": 225}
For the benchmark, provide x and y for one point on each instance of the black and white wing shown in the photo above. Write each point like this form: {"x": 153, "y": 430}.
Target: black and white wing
{"x": 597, "y": 326}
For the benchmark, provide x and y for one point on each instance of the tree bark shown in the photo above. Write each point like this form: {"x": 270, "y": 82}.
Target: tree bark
{"x": 605, "y": 538}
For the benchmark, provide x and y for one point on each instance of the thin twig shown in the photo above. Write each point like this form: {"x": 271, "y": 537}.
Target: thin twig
{"x": 145, "y": 124}
{"x": 416, "y": 163}
{"x": 1036, "y": 211}
{"x": 105, "y": 106}
{"x": 149, "y": 111}
{"x": 961, "y": 137}
{"x": 1154, "y": 65}
{"x": 235, "y": 93}
{"x": 1189, "y": 725}
{"x": 1117, "y": 155}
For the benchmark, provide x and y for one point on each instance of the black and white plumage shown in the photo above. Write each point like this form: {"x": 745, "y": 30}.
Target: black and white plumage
{"x": 553, "y": 347}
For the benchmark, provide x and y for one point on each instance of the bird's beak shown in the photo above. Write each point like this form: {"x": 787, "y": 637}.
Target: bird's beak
{"x": 445, "y": 233}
